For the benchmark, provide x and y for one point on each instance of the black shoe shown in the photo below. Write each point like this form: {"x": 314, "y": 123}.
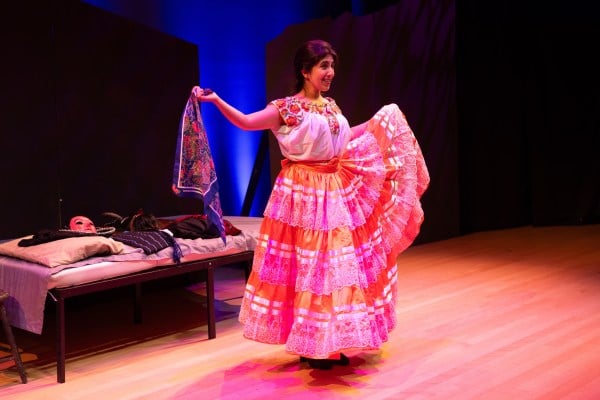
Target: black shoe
{"x": 320, "y": 363}
{"x": 344, "y": 360}
{"x": 326, "y": 363}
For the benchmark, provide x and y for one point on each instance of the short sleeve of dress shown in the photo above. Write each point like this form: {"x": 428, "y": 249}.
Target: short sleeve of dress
{"x": 291, "y": 112}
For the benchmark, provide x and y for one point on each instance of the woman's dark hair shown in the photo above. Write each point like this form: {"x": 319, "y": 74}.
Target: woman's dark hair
{"x": 308, "y": 55}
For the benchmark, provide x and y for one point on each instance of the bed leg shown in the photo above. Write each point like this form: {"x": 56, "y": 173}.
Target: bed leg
{"x": 247, "y": 269}
{"x": 137, "y": 304}
{"x": 210, "y": 298}
{"x": 60, "y": 339}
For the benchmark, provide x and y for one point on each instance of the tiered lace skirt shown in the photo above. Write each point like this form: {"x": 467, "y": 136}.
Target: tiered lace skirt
{"x": 324, "y": 276}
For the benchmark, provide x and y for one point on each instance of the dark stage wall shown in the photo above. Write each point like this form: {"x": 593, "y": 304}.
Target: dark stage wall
{"x": 90, "y": 110}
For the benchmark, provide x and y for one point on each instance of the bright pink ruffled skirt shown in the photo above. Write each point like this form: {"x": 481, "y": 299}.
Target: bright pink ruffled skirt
{"x": 324, "y": 277}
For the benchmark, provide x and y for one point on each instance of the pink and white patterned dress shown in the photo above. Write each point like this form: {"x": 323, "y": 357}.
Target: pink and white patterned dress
{"x": 342, "y": 209}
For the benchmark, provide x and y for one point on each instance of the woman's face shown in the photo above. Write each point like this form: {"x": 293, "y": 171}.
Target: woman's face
{"x": 82, "y": 224}
{"x": 321, "y": 74}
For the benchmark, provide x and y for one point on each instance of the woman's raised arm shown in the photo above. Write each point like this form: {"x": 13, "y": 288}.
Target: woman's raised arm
{"x": 267, "y": 118}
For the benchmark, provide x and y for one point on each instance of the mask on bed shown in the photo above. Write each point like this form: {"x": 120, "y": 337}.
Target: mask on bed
{"x": 82, "y": 224}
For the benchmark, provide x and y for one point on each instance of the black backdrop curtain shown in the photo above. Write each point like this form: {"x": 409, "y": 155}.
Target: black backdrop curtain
{"x": 529, "y": 118}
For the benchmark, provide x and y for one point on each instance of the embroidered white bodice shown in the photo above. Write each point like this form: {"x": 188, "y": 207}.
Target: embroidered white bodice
{"x": 311, "y": 131}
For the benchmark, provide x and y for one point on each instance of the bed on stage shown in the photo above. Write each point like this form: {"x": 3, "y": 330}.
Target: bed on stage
{"x": 72, "y": 267}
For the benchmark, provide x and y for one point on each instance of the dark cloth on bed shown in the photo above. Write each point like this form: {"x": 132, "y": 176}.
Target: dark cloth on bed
{"x": 49, "y": 235}
{"x": 193, "y": 228}
{"x": 198, "y": 226}
{"x": 150, "y": 242}
{"x": 230, "y": 229}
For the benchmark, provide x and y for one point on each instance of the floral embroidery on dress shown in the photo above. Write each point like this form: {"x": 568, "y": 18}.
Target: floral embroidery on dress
{"x": 292, "y": 111}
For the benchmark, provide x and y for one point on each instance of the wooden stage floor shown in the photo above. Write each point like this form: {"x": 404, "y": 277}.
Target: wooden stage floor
{"x": 511, "y": 314}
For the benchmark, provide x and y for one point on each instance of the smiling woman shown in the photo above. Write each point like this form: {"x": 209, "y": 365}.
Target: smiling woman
{"x": 344, "y": 205}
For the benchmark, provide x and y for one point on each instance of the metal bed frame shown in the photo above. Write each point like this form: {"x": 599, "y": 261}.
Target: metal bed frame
{"x": 60, "y": 294}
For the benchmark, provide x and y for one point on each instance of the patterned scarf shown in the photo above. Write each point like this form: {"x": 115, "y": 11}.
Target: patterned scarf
{"x": 194, "y": 172}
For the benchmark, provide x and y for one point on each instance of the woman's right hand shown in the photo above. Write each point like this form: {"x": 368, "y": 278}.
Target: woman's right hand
{"x": 204, "y": 94}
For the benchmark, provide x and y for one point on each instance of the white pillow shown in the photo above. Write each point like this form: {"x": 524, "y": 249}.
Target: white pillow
{"x": 62, "y": 251}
